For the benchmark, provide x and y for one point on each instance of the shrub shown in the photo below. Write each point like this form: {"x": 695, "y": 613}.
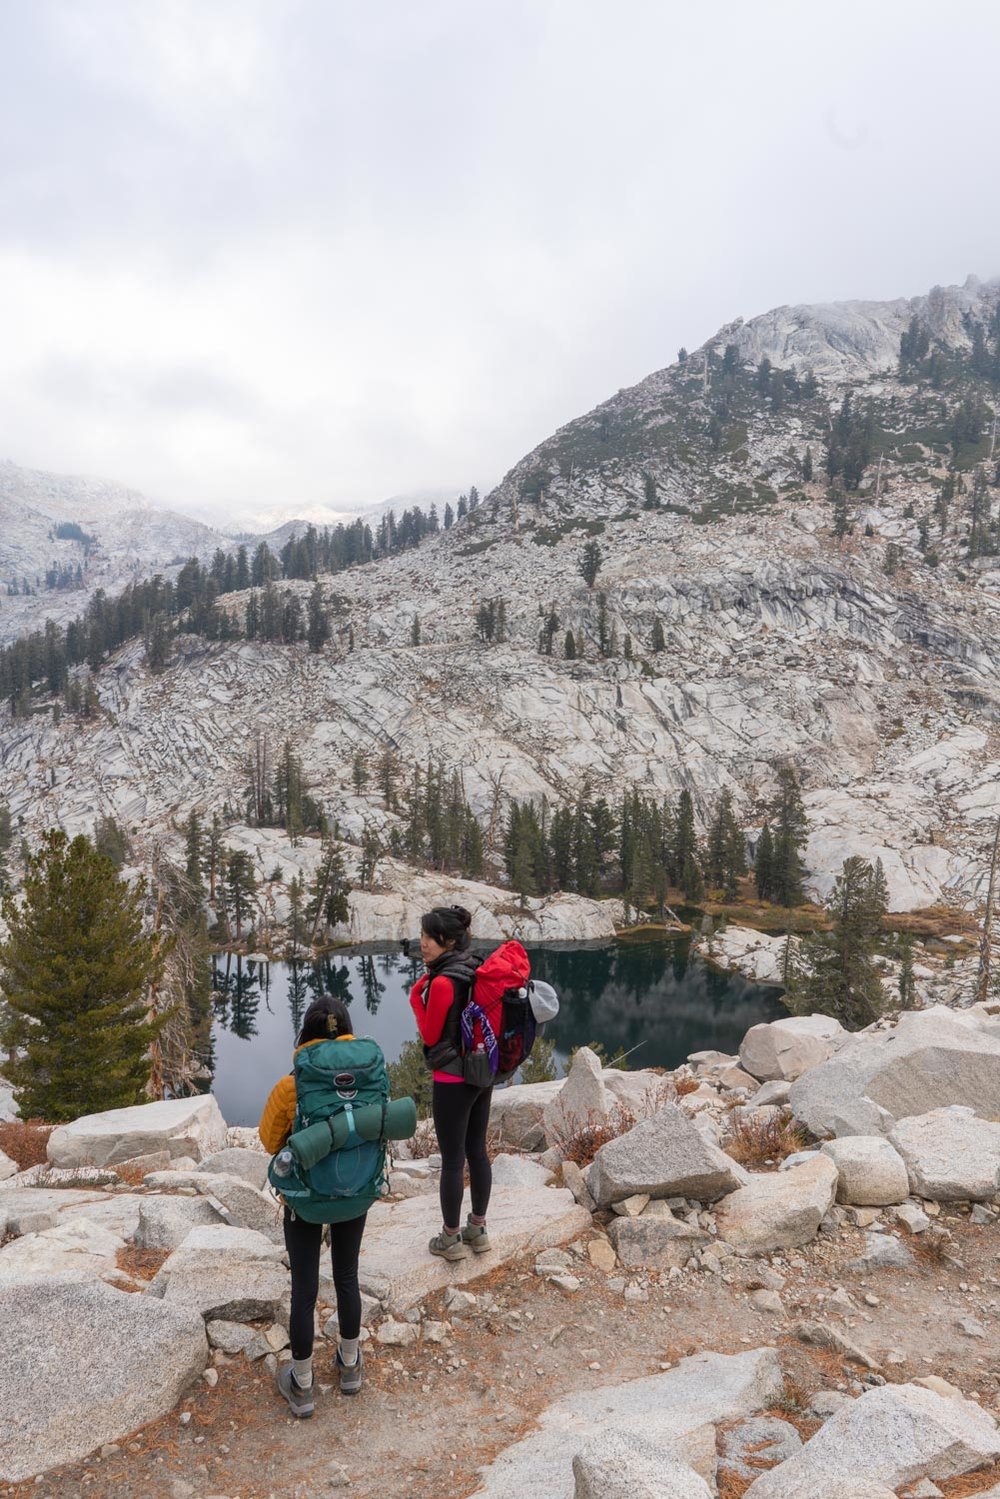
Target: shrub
{"x": 410, "y": 1077}
{"x": 25, "y": 1141}
{"x": 760, "y": 1139}
{"x": 541, "y": 1065}
{"x": 584, "y": 1144}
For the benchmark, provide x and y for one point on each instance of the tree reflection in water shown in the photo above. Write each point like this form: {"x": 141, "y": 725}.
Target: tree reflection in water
{"x": 648, "y": 994}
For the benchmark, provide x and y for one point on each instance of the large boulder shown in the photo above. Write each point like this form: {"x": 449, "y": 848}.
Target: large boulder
{"x": 165, "y": 1222}
{"x": 870, "y": 1173}
{"x": 625, "y": 1465}
{"x": 665, "y": 1156}
{"x": 30, "y": 1210}
{"x": 779, "y": 1210}
{"x": 655, "y": 1242}
{"x": 225, "y": 1274}
{"x": 780, "y": 1051}
{"x": 84, "y": 1364}
{"x": 236, "y": 1200}
{"x": 930, "y": 1059}
{"x": 75, "y": 1249}
{"x": 950, "y": 1155}
{"x": 191, "y": 1127}
{"x": 396, "y": 1268}
{"x": 583, "y": 1100}
{"x": 251, "y": 1165}
{"x": 894, "y": 1435}
{"x": 516, "y": 1113}
{"x": 677, "y": 1410}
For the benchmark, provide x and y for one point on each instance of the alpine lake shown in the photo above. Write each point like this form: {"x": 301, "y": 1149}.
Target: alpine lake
{"x": 649, "y": 995}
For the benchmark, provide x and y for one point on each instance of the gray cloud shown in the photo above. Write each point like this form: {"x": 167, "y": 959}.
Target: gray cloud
{"x": 278, "y": 253}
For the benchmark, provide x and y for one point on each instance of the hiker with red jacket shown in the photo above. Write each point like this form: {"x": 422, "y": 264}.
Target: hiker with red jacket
{"x": 475, "y": 1018}
{"x": 461, "y": 1111}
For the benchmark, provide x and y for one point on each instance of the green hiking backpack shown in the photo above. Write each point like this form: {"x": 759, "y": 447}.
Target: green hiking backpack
{"x": 334, "y": 1078}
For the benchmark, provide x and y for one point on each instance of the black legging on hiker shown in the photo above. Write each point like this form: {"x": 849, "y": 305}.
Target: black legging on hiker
{"x": 304, "y": 1244}
{"x": 461, "y": 1119}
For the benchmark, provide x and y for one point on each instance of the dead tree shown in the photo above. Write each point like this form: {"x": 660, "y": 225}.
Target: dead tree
{"x": 986, "y": 940}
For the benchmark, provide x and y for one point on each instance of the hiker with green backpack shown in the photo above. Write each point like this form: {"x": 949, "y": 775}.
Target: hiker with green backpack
{"x": 326, "y": 1125}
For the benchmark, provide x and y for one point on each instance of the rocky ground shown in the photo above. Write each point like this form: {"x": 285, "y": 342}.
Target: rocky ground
{"x": 637, "y": 1321}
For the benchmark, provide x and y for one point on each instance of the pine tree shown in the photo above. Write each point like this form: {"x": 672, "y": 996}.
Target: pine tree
{"x": 842, "y": 979}
{"x": 194, "y": 851}
{"x": 240, "y": 887}
{"x": 415, "y": 630}
{"x": 111, "y": 840}
{"x": 359, "y": 771}
{"x": 807, "y": 465}
{"x": 725, "y": 855}
{"x": 318, "y": 630}
{"x": 791, "y": 832}
{"x": 658, "y": 641}
{"x": 76, "y": 968}
{"x": 590, "y": 563}
{"x": 157, "y": 644}
{"x": 569, "y": 646}
{"x": 841, "y": 519}
{"x": 906, "y": 982}
{"x": 685, "y": 851}
{"x": 763, "y": 864}
{"x": 6, "y": 838}
{"x": 388, "y": 776}
{"x": 328, "y": 897}
{"x": 296, "y": 893}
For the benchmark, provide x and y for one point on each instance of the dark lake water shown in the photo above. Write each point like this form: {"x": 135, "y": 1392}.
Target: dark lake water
{"x": 651, "y": 994}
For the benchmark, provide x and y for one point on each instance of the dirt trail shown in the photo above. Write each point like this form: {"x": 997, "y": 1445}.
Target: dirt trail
{"x": 429, "y": 1415}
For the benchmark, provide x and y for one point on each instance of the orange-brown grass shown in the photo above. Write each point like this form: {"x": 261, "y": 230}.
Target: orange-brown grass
{"x": 971, "y": 1483}
{"x": 584, "y": 1144}
{"x": 141, "y": 1264}
{"x": 757, "y": 1140}
{"x": 685, "y": 1085}
{"x": 731, "y": 1485}
{"x": 24, "y": 1140}
{"x": 132, "y": 1176}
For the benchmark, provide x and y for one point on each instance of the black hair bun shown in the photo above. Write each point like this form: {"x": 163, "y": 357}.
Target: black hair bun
{"x": 464, "y": 916}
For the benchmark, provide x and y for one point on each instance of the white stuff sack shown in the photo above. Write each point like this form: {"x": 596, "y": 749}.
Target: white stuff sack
{"x": 544, "y": 1001}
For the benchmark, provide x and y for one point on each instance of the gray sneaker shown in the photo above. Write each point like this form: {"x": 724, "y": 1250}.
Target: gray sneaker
{"x": 300, "y": 1401}
{"x": 475, "y": 1235}
{"x": 448, "y": 1246}
{"x": 351, "y": 1375}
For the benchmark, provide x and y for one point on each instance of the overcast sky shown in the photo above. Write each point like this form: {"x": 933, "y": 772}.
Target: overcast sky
{"x": 259, "y": 256}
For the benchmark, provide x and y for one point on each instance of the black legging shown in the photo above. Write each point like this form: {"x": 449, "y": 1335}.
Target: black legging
{"x": 461, "y": 1119}
{"x": 304, "y": 1242}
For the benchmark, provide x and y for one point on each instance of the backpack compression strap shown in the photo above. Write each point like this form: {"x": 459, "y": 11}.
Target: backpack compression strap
{"x": 470, "y": 1015}
{"x": 353, "y": 1138}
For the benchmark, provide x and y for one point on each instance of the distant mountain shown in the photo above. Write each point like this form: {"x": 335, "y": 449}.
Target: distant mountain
{"x": 798, "y": 562}
{"x": 92, "y": 533}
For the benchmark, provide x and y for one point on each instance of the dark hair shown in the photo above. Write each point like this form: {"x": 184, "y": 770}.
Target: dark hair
{"x": 447, "y": 924}
{"x": 325, "y": 1018}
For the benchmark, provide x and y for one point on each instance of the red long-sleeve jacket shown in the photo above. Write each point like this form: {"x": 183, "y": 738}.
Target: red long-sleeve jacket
{"x": 430, "y": 1003}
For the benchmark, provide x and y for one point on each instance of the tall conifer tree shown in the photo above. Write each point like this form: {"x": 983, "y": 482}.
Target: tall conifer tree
{"x": 75, "y": 969}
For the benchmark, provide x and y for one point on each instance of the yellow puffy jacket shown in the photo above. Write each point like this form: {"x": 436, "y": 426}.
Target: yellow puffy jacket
{"x": 279, "y": 1111}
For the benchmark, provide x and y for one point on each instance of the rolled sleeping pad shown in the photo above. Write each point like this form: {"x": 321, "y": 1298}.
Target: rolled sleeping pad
{"x": 312, "y": 1145}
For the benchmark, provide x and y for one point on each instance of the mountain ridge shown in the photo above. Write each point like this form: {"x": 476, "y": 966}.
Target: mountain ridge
{"x": 866, "y": 658}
